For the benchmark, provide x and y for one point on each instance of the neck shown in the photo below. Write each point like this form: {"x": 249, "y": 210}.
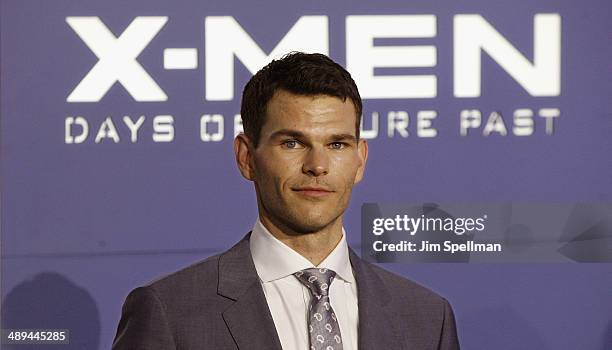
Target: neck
{"x": 315, "y": 246}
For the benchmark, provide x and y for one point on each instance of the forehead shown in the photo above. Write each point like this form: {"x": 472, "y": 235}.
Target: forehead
{"x": 317, "y": 114}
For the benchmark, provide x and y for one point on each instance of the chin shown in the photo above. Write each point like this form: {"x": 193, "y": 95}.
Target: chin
{"x": 306, "y": 225}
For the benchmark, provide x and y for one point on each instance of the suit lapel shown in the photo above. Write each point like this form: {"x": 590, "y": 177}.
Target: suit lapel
{"x": 377, "y": 325}
{"x": 248, "y": 318}
{"x": 251, "y": 325}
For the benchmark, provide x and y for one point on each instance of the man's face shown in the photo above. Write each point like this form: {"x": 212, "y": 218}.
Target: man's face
{"x": 307, "y": 161}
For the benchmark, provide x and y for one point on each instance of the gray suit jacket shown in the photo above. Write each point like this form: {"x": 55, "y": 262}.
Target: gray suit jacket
{"x": 219, "y": 304}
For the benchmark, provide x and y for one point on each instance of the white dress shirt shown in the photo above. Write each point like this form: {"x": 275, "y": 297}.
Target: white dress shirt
{"x": 288, "y": 298}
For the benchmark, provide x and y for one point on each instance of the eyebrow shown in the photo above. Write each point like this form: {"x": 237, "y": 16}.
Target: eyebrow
{"x": 344, "y": 137}
{"x": 300, "y": 135}
{"x": 287, "y": 132}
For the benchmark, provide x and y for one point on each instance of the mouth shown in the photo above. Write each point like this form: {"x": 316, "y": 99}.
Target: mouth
{"x": 313, "y": 192}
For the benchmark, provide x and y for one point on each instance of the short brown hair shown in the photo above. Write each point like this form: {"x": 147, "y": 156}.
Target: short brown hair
{"x": 300, "y": 74}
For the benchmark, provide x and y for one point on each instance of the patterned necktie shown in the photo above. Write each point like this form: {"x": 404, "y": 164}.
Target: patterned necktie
{"x": 323, "y": 325}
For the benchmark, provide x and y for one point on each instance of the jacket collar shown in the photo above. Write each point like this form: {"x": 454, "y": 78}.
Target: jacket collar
{"x": 378, "y": 328}
{"x": 239, "y": 282}
{"x": 248, "y": 319}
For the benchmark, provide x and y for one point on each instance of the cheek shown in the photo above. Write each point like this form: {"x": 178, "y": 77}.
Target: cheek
{"x": 273, "y": 173}
{"x": 346, "y": 168}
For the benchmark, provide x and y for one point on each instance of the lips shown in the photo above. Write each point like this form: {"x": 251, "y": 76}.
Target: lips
{"x": 311, "y": 191}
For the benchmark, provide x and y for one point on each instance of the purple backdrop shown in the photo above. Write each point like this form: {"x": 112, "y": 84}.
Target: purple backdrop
{"x": 84, "y": 222}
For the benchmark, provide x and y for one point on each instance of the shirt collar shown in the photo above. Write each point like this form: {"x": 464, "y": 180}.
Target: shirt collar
{"x": 274, "y": 259}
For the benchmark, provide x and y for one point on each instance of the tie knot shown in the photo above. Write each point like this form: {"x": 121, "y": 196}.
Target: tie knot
{"x": 316, "y": 279}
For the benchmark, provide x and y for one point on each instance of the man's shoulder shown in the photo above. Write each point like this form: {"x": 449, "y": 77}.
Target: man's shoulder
{"x": 190, "y": 293}
{"x": 198, "y": 280}
{"x": 201, "y": 273}
{"x": 404, "y": 290}
{"x": 171, "y": 306}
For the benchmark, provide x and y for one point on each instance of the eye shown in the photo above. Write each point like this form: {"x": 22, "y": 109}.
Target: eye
{"x": 337, "y": 145}
{"x": 291, "y": 144}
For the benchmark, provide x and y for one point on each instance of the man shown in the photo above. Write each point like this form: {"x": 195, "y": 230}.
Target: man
{"x": 292, "y": 282}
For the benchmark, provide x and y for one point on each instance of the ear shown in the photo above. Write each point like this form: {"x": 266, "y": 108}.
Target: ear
{"x": 362, "y": 153}
{"x": 242, "y": 151}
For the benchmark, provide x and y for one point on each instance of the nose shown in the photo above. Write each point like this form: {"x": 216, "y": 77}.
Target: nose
{"x": 316, "y": 162}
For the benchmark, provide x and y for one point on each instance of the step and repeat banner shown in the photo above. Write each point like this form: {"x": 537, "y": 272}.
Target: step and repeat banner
{"x": 491, "y": 120}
